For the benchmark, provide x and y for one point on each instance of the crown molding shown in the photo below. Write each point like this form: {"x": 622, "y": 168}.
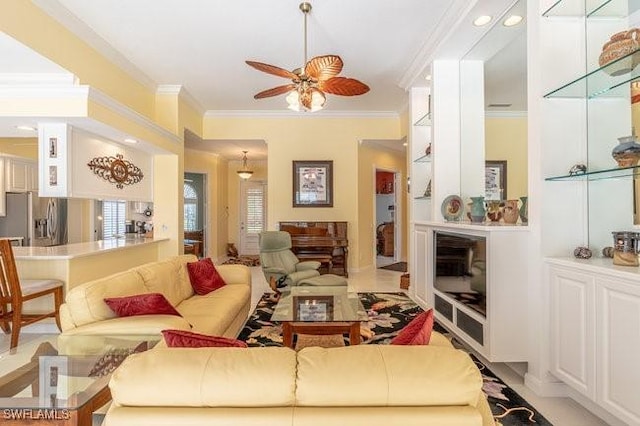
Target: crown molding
{"x": 31, "y": 91}
{"x": 505, "y": 114}
{"x": 457, "y": 11}
{"x": 130, "y": 114}
{"x": 38, "y": 79}
{"x": 71, "y": 22}
{"x": 184, "y": 94}
{"x": 294, "y": 114}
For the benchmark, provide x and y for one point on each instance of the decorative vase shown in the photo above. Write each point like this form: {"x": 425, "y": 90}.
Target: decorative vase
{"x": 524, "y": 210}
{"x": 627, "y": 152}
{"x": 478, "y": 211}
{"x": 621, "y": 45}
{"x": 511, "y": 212}
{"x": 494, "y": 210}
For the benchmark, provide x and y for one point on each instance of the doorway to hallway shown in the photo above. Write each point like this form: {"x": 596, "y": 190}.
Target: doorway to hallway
{"x": 253, "y": 215}
{"x": 387, "y": 239}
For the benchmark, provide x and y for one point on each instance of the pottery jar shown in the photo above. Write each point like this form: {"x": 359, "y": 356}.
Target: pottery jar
{"x": 494, "y": 210}
{"x": 524, "y": 210}
{"x": 511, "y": 212}
{"x": 620, "y": 45}
{"x": 627, "y": 152}
{"x": 477, "y": 209}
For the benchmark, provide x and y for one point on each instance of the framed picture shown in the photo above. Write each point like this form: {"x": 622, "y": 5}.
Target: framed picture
{"x": 495, "y": 180}
{"x": 313, "y": 308}
{"x": 53, "y": 147}
{"x": 313, "y": 184}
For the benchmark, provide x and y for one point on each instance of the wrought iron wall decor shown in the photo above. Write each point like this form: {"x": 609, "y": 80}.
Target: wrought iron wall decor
{"x": 116, "y": 170}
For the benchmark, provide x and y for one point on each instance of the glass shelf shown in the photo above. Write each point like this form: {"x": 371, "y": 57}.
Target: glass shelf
{"x": 425, "y": 120}
{"x": 598, "y": 83}
{"x": 424, "y": 159}
{"x": 618, "y": 172}
{"x": 591, "y": 8}
{"x": 422, "y": 197}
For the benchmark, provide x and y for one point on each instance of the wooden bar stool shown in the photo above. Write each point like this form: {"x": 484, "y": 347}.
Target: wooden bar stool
{"x": 15, "y": 292}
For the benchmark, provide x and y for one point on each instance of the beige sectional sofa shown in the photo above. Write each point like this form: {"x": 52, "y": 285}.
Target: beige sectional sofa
{"x": 354, "y": 385}
{"x": 222, "y": 312}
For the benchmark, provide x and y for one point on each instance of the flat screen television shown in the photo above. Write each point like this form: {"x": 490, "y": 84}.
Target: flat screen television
{"x": 460, "y": 268}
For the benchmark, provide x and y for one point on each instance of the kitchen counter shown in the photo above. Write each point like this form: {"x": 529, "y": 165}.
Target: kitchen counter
{"x": 72, "y": 251}
{"x": 78, "y": 263}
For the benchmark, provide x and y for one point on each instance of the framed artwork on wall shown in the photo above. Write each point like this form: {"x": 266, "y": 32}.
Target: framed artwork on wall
{"x": 313, "y": 184}
{"x": 495, "y": 180}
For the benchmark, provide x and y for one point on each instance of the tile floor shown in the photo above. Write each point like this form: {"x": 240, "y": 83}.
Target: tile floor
{"x": 559, "y": 411}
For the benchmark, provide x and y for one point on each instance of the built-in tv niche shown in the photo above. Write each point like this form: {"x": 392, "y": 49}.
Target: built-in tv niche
{"x": 460, "y": 266}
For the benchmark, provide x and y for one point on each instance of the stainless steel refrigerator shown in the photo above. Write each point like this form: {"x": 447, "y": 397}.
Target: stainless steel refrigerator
{"x": 39, "y": 221}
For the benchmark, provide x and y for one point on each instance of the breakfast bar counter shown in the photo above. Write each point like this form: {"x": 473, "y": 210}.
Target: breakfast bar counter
{"x": 77, "y": 263}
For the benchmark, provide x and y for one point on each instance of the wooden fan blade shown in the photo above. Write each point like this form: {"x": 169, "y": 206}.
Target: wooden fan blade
{"x": 275, "y": 91}
{"x": 272, "y": 69}
{"x": 323, "y": 67}
{"x": 343, "y": 86}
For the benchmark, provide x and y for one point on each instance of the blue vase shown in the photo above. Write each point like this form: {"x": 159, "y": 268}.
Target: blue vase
{"x": 478, "y": 211}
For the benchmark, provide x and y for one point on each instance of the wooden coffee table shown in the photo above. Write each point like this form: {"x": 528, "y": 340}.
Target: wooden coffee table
{"x": 49, "y": 381}
{"x": 319, "y": 311}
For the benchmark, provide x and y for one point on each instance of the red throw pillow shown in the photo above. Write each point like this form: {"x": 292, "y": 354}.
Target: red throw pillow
{"x": 141, "y": 304}
{"x": 417, "y": 332}
{"x": 189, "y": 339}
{"x": 204, "y": 277}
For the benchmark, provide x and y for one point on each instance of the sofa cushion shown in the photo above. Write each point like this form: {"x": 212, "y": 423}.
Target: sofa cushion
{"x": 417, "y": 332}
{"x": 86, "y": 304}
{"x": 141, "y": 325}
{"x": 213, "y": 313}
{"x": 141, "y": 304}
{"x": 168, "y": 277}
{"x": 436, "y": 376}
{"x": 189, "y": 339}
{"x": 210, "y": 377}
{"x": 204, "y": 277}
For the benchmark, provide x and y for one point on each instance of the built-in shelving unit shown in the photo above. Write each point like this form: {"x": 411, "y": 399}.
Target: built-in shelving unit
{"x": 422, "y": 198}
{"x": 425, "y": 120}
{"x": 590, "y": 8}
{"x": 424, "y": 159}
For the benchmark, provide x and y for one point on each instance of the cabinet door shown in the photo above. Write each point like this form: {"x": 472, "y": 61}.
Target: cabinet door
{"x": 573, "y": 329}
{"x": 33, "y": 182}
{"x": 421, "y": 254}
{"x": 18, "y": 175}
{"x": 618, "y": 348}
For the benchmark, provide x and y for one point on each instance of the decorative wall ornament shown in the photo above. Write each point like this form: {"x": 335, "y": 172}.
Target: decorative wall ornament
{"x": 116, "y": 170}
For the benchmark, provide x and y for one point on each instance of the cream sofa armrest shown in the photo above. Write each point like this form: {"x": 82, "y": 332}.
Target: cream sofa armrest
{"x": 235, "y": 274}
{"x": 66, "y": 321}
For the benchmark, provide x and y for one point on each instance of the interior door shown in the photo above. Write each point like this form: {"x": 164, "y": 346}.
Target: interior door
{"x": 253, "y": 215}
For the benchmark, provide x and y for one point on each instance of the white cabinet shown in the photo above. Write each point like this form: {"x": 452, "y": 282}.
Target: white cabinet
{"x": 595, "y": 333}
{"x": 498, "y": 329}
{"x": 573, "y": 329}
{"x": 20, "y": 174}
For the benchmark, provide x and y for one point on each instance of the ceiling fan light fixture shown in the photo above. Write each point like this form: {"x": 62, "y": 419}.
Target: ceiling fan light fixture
{"x": 317, "y": 101}
{"x": 244, "y": 172}
{"x": 293, "y": 100}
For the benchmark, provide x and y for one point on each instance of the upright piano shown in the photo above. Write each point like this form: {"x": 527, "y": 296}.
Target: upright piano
{"x": 312, "y": 239}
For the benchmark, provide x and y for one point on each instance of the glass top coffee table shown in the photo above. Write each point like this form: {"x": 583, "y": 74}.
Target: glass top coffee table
{"x": 319, "y": 310}
{"x": 50, "y": 379}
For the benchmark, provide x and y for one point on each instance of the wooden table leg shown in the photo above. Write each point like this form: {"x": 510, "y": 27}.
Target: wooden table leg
{"x": 287, "y": 335}
{"x": 354, "y": 334}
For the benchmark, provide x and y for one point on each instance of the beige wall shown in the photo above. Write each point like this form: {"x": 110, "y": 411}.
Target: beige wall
{"x": 310, "y": 138}
{"x": 370, "y": 159}
{"x": 506, "y": 139}
{"x": 22, "y": 147}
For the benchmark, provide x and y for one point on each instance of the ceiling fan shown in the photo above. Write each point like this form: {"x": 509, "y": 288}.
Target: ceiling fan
{"x": 310, "y": 83}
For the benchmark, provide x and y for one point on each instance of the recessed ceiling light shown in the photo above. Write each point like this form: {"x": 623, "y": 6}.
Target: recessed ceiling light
{"x": 27, "y": 128}
{"x": 129, "y": 140}
{"x": 512, "y": 20}
{"x": 428, "y": 77}
{"x": 482, "y": 20}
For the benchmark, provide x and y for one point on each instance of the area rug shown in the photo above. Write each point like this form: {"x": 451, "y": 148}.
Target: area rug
{"x": 243, "y": 260}
{"x": 388, "y": 313}
{"x": 399, "y": 267}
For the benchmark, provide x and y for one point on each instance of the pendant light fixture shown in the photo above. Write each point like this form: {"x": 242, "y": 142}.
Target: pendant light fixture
{"x": 244, "y": 172}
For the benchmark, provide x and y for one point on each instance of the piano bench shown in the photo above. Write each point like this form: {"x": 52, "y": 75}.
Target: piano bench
{"x": 326, "y": 280}
{"x": 324, "y": 259}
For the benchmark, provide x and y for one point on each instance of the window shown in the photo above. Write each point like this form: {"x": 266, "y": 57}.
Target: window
{"x": 113, "y": 219}
{"x": 190, "y": 208}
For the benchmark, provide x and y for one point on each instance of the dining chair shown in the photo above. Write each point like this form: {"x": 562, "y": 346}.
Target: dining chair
{"x": 15, "y": 292}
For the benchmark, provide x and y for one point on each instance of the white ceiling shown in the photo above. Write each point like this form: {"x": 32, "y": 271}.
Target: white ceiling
{"x": 202, "y": 44}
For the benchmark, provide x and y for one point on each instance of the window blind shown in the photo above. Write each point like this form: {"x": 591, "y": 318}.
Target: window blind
{"x": 255, "y": 209}
{"x": 113, "y": 219}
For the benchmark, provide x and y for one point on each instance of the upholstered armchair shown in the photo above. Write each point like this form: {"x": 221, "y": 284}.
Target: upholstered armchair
{"x": 279, "y": 264}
